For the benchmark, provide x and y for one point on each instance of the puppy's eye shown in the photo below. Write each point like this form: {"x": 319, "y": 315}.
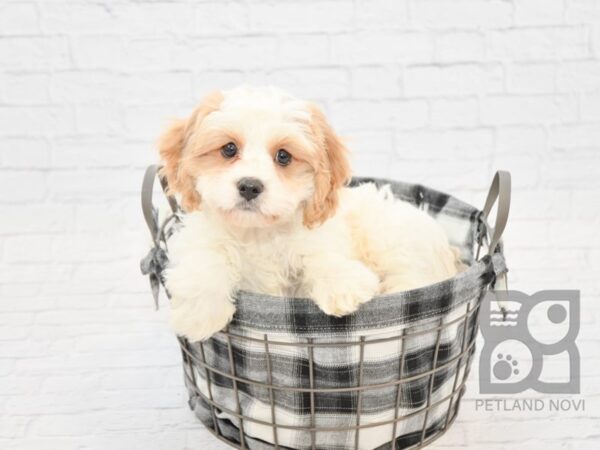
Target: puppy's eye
{"x": 282, "y": 157}
{"x": 229, "y": 150}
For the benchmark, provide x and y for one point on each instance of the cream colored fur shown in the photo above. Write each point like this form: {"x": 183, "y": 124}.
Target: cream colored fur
{"x": 367, "y": 243}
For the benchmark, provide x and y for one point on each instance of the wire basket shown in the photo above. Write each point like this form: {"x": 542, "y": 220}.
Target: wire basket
{"x": 284, "y": 375}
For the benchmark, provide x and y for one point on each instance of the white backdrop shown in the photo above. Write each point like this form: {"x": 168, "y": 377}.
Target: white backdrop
{"x": 435, "y": 91}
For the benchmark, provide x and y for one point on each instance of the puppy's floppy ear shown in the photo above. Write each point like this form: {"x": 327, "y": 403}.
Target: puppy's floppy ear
{"x": 172, "y": 145}
{"x": 332, "y": 170}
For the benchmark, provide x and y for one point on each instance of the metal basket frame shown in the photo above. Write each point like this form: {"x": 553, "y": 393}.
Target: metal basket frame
{"x": 467, "y": 347}
{"x": 469, "y": 321}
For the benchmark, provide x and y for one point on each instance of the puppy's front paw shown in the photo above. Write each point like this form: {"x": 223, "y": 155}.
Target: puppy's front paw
{"x": 343, "y": 291}
{"x": 199, "y": 319}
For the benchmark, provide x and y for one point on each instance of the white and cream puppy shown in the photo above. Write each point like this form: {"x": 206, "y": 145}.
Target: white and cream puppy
{"x": 261, "y": 176}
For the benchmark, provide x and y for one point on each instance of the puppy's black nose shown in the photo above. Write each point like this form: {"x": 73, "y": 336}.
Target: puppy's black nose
{"x": 250, "y": 188}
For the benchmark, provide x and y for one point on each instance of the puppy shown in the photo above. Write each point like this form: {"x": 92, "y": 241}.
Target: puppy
{"x": 261, "y": 176}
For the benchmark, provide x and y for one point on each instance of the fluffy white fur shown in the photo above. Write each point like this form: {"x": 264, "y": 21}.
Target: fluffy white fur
{"x": 305, "y": 235}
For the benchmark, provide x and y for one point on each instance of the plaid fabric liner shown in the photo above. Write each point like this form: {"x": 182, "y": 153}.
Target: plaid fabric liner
{"x": 397, "y": 336}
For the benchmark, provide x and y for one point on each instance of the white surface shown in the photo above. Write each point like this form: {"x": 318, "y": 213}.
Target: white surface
{"x": 440, "y": 92}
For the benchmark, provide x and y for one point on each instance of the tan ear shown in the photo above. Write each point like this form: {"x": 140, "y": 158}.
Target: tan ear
{"x": 332, "y": 170}
{"x": 171, "y": 147}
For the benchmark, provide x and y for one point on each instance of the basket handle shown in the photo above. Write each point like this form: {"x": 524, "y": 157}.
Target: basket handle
{"x": 147, "y": 191}
{"x": 500, "y": 192}
{"x": 156, "y": 259}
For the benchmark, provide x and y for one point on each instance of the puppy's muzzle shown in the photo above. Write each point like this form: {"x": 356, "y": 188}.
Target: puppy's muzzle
{"x": 250, "y": 188}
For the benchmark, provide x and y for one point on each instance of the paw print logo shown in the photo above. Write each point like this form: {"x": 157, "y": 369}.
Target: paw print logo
{"x": 510, "y": 363}
{"x": 527, "y": 330}
{"x": 505, "y": 367}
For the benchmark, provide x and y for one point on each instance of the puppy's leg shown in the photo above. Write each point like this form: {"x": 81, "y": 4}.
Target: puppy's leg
{"x": 338, "y": 285}
{"x": 201, "y": 301}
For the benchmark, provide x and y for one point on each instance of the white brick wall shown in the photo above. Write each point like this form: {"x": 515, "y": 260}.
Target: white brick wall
{"x": 436, "y": 91}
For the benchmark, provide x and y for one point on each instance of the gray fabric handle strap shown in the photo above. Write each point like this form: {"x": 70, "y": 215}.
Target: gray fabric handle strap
{"x": 147, "y": 190}
{"x": 156, "y": 260}
{"x": 500, "y": 192}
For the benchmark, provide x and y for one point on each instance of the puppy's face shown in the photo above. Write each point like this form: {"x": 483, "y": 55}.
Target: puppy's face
{"x": 256, "y": 157}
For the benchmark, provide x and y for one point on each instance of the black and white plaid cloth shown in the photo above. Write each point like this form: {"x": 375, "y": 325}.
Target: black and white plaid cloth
{"x": 416, "y": 315}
